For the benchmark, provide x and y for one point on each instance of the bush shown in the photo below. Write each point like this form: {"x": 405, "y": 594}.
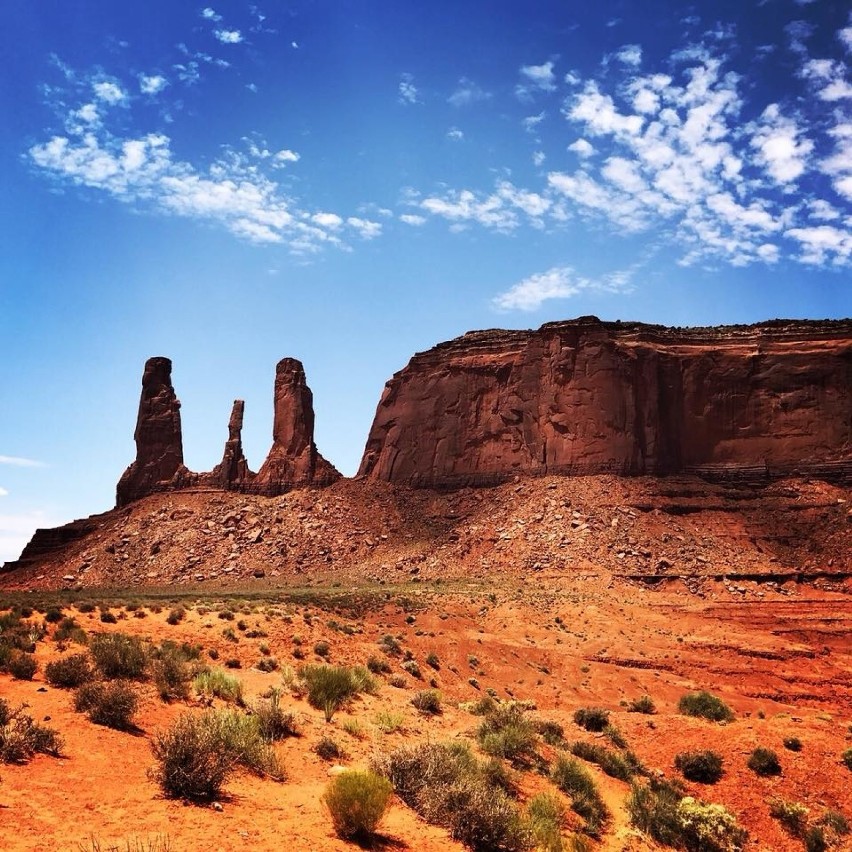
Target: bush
{"x": 329, "y": 687}
{"x": 53, "y": 615}
{"x": 119, "y": 656}
{"x": 447, "y": 786}
{"x": 764, "y": 761}
{"x": 551, "y": 732}
{"x": 378, "y": 666}
{"x": 110, "y": 704}
{"x": 357, "y": 800}
{"x": 69, "y": 631}
{"x": 846, "y": 758}
{"x": 615, "y": 736}
{"x": 792, "y": 815}
{"x": 176, "y": 616}
{"x": 22, "y": 666}
{"x": 621, "y": 766}
{"x": 69, "y": 672}
{"x": 21, "y": 736}
{"x": 171, "y": 670}
{"x": 709, "y": 828}
{"x": 432, "y": 661}
{"x": 108, "y": 618}
{"x": 705, "y": 767}
{"x": 643, "y": 704}
{"x": 217, "y": 683}
{"x": 273, "y": 722}
{"x": 573, "y": 779}
{"x": 328, "y": 749}
{"x": 706, "y": 706}
{"x": 506, "y": 732}
{"x": 814, "y": 839}
{"x": 267, "y": 664}
{"x": 592, "y": 719}
{"x": 322, "y": 649}
{"x": 427, "y": 701}
{"x": 792, "y": 744}
{"x": 545, "y": 816}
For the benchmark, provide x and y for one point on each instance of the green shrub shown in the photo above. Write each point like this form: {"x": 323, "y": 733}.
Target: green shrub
{"x": 119, "y": 656}
{"x": 267, "y": 664}
{"x": 427, "y": 701}
{"x": 814, "y": 839}
{"x": 545, "y": 816}
{"x": 328, "y": 687}
{"x": 388, "y": 722}
{"x": 69, "y": 631}
{"x": 643, "y": 704}
{"x": 378, "y": 666}
{"x": 573, "y": 779}
{"x": 110, "y": 704}
{"x": 274, "y": 723}
{"x": 792, "y": 815}
{"x": 357, "y": 800}
{"x": 834, "y": 822}
{"x": 322, "y": 649}
{"x": 446, "y": 785}
{"x": 792, "y": 744}
{"x": 551, "y": 732}
{"x": 615, "y": 736}
{"x": 53, "y": 615}
{"x": 69, "y": 672}
{"x": 108, "y": 617}
{"x": 217, "y": 683}
{"x": 764, "y": 761}
{"x": 22, "y": 666}
{"x": 171, "y": 670}
{"x": 706, "y": 706}
{"x": 21, "y": 736}
{"x": 176, "y": 615}
{"x": 390, "y": 646}
{"x": 432, "y": 660}
{"x": 705, "y": 767}
{"x": 846, "y": 758}
{"x": 327, "y": 749}
{"x": 240, "y": 735}
{"x": 592, "y": 718}
{"x": 506, "y": 732}
{"x": 614, "y": 764}
{"x": 709, "y": 827}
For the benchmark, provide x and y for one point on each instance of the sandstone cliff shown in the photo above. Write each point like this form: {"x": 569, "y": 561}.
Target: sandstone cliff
{"x": 293, "y": 459}
{"x": 587, "y": 397}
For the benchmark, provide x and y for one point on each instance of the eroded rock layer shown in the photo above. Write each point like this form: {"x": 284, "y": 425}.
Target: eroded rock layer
{"x": 293, "y": 459}
{"x": 588, "y": 397}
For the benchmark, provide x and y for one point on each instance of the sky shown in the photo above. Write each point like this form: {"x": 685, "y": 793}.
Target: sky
{"x": 349, "y": 182}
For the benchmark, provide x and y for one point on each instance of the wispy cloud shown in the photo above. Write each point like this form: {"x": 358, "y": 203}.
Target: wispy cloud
{"x": 228, "y": 36}
{"x": 455, "y": 134}
{"x": 467, "y": 92}
{"x": 3, "y": 492}
{"x": 407, "y": 90}
{"x": 18, "y": 461}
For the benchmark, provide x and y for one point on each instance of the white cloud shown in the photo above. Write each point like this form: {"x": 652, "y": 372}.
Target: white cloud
{"x": 18, "y": 461}
{"x": 830, "y": 77}
{"x": 538, "y": 158}
{"x": 630, "y": 54}
{"x": 327, "y": 220}
{"x": 88, "y": 113}
{"x": 3, "y": 492}
{"x": 582, "y": 148}
{"x": 407, "y": 90}
{"x": 210, "y": 15}
{"x": 455, "y": 134}
{"x": 532, "y": 121}
{"x": 228, "y": 36}
{"x": 109, "y": 92}
{"x": 366, "y": 228}
{"x": 780, "y": 149}
{"x": 286, "y": 156}
{"x": 823, "y": 244}
{"x": 845, "y": 36}
{"x": 153, "y": 84}
{"x": 536, "y": 78}
{"x": 467, "y": 92}
{"x": 413, "y": 219}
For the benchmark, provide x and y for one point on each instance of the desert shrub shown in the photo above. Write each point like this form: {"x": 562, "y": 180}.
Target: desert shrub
{"x": 506, "y": 732}
{"x": 661, "y": 811}
{"x": 387, "y": 721}
{"x": 814, "y": 839}
{"x": 119, "y": 656}
{"x": 846, "y": 758}
{"x": 398, "y": 681}
{"x": 274, "y": 723}
{"x": 390, "y": 646}
{"x": 85, "y": 606}
{"x": 240, "y": 735}
{"x": 171, "y": 670}
{"x": 643, "y": 704}
{"x": 593, "y": 719}
{"x": 322, "y": 649}
{"x": 176, "y": 615}
{"x": 432, "y": 660}
{"x": 21, "y": 736}
{"x": 69, "y": 631}
{"x": 573, "y": 779}
{"x": 412, "y": 668}
{"x": 327, "y": 749}
{"x": 22, "y": 666}
{"x": 615, "y": 736}
{"x": 446, "y": 785}
{"x": 792, "y": 815}
{"x": 267, "y": 664}
{"x": 545, "y": 816}
{"x": 427, "y": 701}
{"x": 834, "y": 822}
{"x": 110, "y": 704}
{"x": 233, "y": 663}
{"x": 792, "y": 744}
{"x": 328, "y": 687}
{"x": 69, "y": 672}
{"x": 378, "y": 666}
{"x": 357, "y": 800}
{"x": 551, "y": 732}
{"x": 705, "y": 767}
{"x": 226, "y": 615}
{"x": 621, "y": 766}
{"x": 706, "y": 706}
{"x": 108, "y": 617}
{"x": 483, "y": 706}
{"x": 362, "y": 680}
{"x": 216, "y": 683}
{"x": 53, "y": 615}
{"x": 764, "y": 761}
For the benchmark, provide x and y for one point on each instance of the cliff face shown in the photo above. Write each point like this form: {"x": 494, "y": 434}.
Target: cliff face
{"x": 585, "y": 397}
{"x": 293, "y": 459}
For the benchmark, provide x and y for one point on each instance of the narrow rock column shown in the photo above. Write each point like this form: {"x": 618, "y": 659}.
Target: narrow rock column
{"x": 232, "y": 473}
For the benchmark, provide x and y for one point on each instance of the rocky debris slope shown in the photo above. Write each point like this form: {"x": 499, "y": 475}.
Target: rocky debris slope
{"x": 587, "y": 397}
{"x": 648, "y": 529}
{"x": 293, "y": 459}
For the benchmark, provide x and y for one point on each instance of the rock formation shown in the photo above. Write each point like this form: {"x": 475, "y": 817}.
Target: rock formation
{"x": 159, "y": 443}
{"x": 293, "y": 460}
{"x": 586, "y": 397}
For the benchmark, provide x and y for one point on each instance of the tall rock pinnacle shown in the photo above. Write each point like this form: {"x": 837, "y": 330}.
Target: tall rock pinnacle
{"x": 293, "y": 459}
{"x": 232, "y": 473}
{"x": 159, "y": 444}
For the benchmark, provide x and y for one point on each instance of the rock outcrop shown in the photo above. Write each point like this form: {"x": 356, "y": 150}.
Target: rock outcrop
{"x": 293, "y": 460}
{"x": 589, "y": 397}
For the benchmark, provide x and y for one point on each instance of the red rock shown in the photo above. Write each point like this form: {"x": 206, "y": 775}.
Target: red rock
{"x": 588, "y": 397}
{"x": 159, "y": 444}
{"x": 232, "y": 473}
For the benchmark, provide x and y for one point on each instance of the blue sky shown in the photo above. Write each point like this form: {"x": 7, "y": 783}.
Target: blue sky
{"x": 349, "y": 182}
